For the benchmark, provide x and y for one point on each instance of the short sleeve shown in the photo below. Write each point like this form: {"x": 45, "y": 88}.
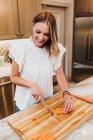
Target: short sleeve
{"x": 58, "y": 60}
{"x": 16, "y": 53}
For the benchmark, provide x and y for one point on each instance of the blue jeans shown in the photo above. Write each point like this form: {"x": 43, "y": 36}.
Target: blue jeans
{"x": 17, "y": 109}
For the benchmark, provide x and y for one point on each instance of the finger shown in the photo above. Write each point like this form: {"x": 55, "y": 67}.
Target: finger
{"x": 71, "y": 108}
{"x": 33, "y": 95}
{"x": 37, "y": 96}
{"x": 68, "y": 107}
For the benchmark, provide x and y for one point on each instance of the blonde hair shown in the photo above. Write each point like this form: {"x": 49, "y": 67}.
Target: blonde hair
{"x": 52, "y": 43}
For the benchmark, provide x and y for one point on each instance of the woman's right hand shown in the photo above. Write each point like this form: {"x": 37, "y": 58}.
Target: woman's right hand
{"x": 36, "y": 91}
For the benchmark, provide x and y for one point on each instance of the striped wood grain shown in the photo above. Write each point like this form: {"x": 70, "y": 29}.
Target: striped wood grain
{"x": 37, "y": 119}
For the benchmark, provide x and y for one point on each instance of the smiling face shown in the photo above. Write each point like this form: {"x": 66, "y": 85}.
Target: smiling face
{"x": 41, "y": 34}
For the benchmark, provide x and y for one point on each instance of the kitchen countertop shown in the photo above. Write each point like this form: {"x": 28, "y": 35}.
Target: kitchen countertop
{"x": 5, "y": 70}
{"x": 85, "y": 132}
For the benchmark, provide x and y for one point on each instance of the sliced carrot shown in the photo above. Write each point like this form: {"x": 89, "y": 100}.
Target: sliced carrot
{"x": 33, "y": 118}
{"x": 59, "y": 111}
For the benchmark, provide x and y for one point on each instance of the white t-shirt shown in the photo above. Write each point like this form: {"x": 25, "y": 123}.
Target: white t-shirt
{"x": 35, "y": 65}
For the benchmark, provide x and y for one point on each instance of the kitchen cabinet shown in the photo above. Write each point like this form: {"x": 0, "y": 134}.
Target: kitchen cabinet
{"x": 16, "y": 18}
{"x": 7, "y": 105}
{"x": 83, "y": 8}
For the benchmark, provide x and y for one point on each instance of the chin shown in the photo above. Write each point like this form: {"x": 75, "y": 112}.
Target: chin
{"x": 40, "y": 45}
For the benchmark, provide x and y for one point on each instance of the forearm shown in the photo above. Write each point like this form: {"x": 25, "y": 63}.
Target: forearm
{"x": 21, "y": 82}
{"x": 36, "y": 90}
{"x": 61, "y": 79}
{"x": 68, "y": 104}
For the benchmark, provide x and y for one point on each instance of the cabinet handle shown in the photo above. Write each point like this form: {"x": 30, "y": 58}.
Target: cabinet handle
{"x": 17, "y": 34}
{"x": 21, "y": 34}
{"x": 85, "y": 47}
{"x": 88, "y": 59}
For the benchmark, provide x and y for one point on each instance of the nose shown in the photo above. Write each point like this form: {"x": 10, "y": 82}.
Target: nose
{"x": 41, "y": 37}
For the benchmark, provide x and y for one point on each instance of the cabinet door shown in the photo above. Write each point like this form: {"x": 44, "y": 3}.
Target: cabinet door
{"x": 8, "y": 19}
{"x": 7, "y": 105}
{"x": 82, "y": 7}
{"x": 91, "y": 7}
{"x": 27, "y": 10}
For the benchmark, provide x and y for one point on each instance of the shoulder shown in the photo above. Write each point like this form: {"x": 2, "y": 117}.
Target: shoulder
{"x": 19, "y": 45}
{"x": 61, "y": 47}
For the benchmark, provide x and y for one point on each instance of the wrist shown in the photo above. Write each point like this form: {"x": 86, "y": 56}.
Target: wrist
{"x": 66, "y": 93}
{"x": 32, "y": 84}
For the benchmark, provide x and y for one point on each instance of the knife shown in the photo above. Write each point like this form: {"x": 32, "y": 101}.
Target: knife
{"x": 49, "y": 109}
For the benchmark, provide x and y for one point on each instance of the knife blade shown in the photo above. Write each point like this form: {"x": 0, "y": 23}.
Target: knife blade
{"x": 49, "y": 109}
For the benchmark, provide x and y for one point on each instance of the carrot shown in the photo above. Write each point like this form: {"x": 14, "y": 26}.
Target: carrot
{"x": 59, "y": 111}
{"x": 33, "y": 118}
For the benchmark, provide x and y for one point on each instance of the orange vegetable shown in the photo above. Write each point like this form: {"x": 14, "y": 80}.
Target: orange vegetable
{"x": 59, "y": 110}
{"x": 33, "y": 118}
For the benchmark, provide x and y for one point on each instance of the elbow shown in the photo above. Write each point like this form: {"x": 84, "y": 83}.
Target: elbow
{"x": 12, "y": 78}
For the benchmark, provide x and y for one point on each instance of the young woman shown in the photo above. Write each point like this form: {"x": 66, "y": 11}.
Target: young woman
{"x": 35, "y": 60}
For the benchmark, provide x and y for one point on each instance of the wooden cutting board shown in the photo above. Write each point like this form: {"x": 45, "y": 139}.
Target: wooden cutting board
{"x": 30, "y": 123}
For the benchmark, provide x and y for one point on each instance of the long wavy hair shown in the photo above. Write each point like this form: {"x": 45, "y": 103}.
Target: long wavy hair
{"x": 52, "y": 43}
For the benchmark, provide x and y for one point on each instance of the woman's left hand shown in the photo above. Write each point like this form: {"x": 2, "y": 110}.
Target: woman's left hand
{"x": 68, "y": 104}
